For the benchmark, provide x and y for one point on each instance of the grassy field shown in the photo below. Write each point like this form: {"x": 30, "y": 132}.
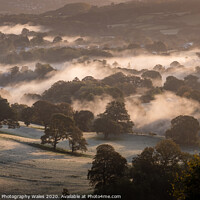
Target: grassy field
{"x": 30, "y": 168}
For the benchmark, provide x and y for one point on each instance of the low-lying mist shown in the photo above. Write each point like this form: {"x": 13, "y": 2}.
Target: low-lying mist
{"x": 153, "y": 117}
{"x": 97, "y": 106}
{"x": 17, "y": 28}
{"x": 148, "y": 61}
{"x": 69, "y": 39}
{"x": 67, "y": 73}
{"x": 69, "y": 70}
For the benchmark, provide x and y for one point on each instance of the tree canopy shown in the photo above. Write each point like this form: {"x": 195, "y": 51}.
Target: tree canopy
{"x": 151, "y": 176}
{"x": 187, "y": 185}
{"x": 184, "y": 130}
{"x": 62, "y": 127}
{"x": 7, "y": 114}
{"x": 115, "y": 120}
{"x": 83, "y": 119}
{"x": 27, "y": 115}
{"x": 6, "y": 111}
{"x": 57, "y": 130}
{"x": 43, "y": 110}
{"x": 108, "y": 166}
{"x": 155, "y": 169}
{"x": 76, "y": 140}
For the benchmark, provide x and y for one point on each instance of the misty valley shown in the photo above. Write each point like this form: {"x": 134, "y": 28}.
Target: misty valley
{"x": 100, "y": 100}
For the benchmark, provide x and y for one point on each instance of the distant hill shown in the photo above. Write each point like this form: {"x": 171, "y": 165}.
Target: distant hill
{"x": 41, "y": 6}
{"x": 120, "y": 13}
{"x": 70, "y": 9}
{"x": 115, "y": 19}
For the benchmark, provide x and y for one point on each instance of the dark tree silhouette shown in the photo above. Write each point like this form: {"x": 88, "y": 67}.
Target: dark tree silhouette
{"x": 154, "y": 170}
{"x": 77, "y": 141}
{"x": 152, "y": 74}
{"x": 58, "y": 129}
{"x": 187, "y": 185}
{"x": 17, "y": 109}
{"x": 84, "y": 119}
{"x": 43, "y": 69}
{"x": 7, "y": 115}
{"x": 57, "y": 39}
{"x": 65, "y": 109}
{"x": 6, "y": 111}
{"x": 27, "y": 115}
{"x": 173, "y": 84}
{"x": 184, "y": 130}
{"x": 43, "y": 111}
{"x": 62, "y": 127}
{"x": 107, "y": 127}
{"x": 114, "y": 120}
{"x": 108, "y": 166}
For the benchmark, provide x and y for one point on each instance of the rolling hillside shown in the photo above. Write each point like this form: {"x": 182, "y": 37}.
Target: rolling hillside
{"x": 40, "y": 6}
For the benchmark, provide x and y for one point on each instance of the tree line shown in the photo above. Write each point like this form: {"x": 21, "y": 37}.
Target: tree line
{"x": 61, "y": 122}
{"x": 160, "y": 172}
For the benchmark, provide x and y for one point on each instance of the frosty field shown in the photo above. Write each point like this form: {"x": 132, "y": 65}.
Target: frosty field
{"x": 25, "y": 169}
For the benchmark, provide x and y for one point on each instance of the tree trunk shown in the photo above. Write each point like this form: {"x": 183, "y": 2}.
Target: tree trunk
{"x": 54, "y": 144}
{"x": 104, "y": 178}
{"x": 105, "y": 135}
{"x": 45, "y": 127}
{"x": 72, "y": 148}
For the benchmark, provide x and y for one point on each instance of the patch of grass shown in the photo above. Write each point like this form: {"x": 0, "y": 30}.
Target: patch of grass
{"x": 47, "y": 148}
{"x": 3, "y": 132}
{"x": 36, "y": 127}
{"x": 109, "y": 139}
{"x": 58, "y": 150}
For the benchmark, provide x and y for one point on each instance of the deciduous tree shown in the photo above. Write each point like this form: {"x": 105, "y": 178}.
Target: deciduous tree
{"x": 187, "y": 184}
{"x": 108, "y": 166}
{"x": 114, "y": 120}
{"x": 84, "y": 119}
{"x": 154, "y": 170}
{"x": 62, "y": 127}
{"x": 27, "y": 115}
{"x": 77, "y": 141}
{"x": 58, "y": 129}
{"x": 184, "y": 130}
{"x": 43, "y": 110}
